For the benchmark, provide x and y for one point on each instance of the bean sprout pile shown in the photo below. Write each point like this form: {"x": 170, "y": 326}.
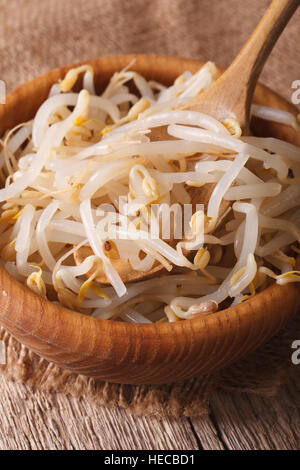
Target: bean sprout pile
{"x": 86, "y": 158}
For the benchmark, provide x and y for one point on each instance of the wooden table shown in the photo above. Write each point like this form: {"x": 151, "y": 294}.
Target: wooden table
{"x": 48, "y": 421}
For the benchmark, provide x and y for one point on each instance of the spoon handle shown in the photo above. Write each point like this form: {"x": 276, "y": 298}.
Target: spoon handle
{"x": 254, "y": 54}
{"x": 232, "y": 93}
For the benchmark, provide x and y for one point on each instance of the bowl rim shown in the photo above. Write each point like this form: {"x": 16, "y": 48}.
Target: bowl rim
{"x": 134, "y": 329}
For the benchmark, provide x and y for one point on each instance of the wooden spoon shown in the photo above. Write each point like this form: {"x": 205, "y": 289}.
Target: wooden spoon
{"x": 230, "y": 96}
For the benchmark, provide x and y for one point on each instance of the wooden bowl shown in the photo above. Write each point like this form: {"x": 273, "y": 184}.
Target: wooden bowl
{"x": 131, "y": 353}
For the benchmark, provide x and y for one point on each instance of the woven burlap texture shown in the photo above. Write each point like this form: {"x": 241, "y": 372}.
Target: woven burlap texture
{"x": 38, "y": 35}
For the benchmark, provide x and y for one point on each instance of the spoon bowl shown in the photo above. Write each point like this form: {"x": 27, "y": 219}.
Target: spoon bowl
{"x": 140, "y": 353}
{"x": 123, "y": 267}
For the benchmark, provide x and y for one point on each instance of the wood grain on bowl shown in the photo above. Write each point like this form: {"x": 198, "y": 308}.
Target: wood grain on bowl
{"x": 131, "y": 353}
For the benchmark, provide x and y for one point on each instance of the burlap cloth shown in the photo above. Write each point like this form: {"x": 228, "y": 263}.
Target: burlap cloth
{"x": 37, "y": 35}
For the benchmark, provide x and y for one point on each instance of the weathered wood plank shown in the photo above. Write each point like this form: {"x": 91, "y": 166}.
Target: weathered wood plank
{"x": 46, "y": 421}
{"x": 250, "y": 422}
{"x": 207, "y": 433}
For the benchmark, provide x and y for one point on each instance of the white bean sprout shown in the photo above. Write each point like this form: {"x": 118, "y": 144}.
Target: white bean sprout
{"x": 213, "y": 213}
